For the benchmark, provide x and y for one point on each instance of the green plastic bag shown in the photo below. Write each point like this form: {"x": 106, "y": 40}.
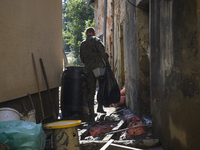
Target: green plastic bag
{"x": 22, "y": 135}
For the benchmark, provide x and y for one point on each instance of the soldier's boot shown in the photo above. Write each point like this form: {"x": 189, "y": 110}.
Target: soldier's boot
{"x": 91, "y": 110}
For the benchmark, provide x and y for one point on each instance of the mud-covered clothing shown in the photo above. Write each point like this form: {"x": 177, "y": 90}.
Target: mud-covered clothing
{"x": 92, "y": 51}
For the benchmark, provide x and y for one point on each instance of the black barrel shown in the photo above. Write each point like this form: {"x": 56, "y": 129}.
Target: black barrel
{"x": 72, "y": 91}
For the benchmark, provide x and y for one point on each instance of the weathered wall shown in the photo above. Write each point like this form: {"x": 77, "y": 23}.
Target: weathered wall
{"x": 98, "y": 17}
{"x": 29, "y": 27}
{"x": 99, "y": 21}
{"x": 175, "y": 73}
{"x": 131, "y": 49}
{"x": 126, "y": 49}
{"x": 131, "y": 57}
{"x": 119, "y": 44}
{"x": 174, "y": 66}
{"x": 143, "y": 57}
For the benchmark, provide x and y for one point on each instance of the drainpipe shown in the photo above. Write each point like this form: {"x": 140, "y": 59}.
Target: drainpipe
{"x": 104, "y": 23}
{"x": 112, "y": 38}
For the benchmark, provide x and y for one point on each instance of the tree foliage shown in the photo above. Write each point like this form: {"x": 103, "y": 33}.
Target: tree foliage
{"x": 64, "y": 24}
{"x": 76, "y": 17}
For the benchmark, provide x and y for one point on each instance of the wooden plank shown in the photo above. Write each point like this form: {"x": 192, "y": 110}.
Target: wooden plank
{"x": 127, "y": 129}
{"x": 141, "y": 143}
{"x": 125, "y": 147}
{"x": 107, "y": 137}
{"x": 103, "y": 142}
{"x": 81, "y": 132}
{"x": 107, "y": 144}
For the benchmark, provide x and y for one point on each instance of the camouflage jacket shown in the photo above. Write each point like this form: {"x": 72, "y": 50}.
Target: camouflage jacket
{"x": 92, "y": 51}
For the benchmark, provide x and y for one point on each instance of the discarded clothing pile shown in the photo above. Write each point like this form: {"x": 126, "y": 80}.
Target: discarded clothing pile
{"x": 102, "y": 128}
{"x": 133, "y": 121}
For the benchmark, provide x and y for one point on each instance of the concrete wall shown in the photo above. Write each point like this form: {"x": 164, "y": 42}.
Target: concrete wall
{"x": 165, "y": 68}
{"x": 29, "y": 27}
{"x": 143, "y": 57}
{"x": 132, "y": 49}
{"x": 124, "y": 59}
{"x": 131, "y": 57}
{"x": 175, "y": 82}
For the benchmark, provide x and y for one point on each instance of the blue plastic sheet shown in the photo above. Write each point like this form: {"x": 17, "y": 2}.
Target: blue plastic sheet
{"x": 22, "y": 135}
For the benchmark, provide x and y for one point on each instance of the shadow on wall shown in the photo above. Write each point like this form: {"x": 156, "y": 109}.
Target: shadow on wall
{"x": 178, "y": 120}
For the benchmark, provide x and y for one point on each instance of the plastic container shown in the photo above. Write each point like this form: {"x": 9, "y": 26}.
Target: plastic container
{"x": 64, "y": 134}
{"x": 8, "y": 114}
{"x": 98, "y": 72}
{"x": 30, "y": 117}
{"x": 72, "y": 91}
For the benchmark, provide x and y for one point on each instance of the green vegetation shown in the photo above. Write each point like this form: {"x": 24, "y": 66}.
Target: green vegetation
{"x": 76, "y": 18}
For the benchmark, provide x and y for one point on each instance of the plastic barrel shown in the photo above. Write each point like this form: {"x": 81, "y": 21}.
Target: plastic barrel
{"x": 72, "y": 91}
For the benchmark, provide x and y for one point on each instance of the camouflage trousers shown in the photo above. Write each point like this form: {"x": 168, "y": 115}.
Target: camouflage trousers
{"x": 91, "y": 88}
{"x": 88, "y": 103}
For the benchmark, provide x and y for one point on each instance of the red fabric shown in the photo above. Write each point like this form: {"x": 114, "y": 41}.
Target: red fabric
{"x": 122, "y": 100}
{"x": 130, "y": 118}
{"x": 103, "y": 128}
{"x": 135, "y": 131}
{"x": 122, "y": 91}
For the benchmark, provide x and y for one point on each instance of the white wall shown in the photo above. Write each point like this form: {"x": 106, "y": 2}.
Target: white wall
{"x": 26, "y": 27}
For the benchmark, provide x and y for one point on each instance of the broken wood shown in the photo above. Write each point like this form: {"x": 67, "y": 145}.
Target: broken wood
{"x": 103, "y": 142}
{"x": 107, "y": 144}
{"x": 145, "y": 143}
{"x": 107, "y": 137}
{"x": 126, "y": 147}
{"x": 127, "y": 129}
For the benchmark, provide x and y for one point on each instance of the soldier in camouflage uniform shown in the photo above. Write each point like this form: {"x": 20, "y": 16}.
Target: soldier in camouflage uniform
{"x": 92, "y": 51}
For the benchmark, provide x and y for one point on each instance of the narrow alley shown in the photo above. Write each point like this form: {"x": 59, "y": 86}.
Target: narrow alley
{"x": 99, "y": 74}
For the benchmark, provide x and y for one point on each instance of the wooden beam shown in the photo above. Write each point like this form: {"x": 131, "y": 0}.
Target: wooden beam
{"x": 115, "y": 131}
{"x": 107, "y": 144}
{"x": 140, "y": 143}
{"x": 125, "y": 147}
{"x": 103, "y": 142}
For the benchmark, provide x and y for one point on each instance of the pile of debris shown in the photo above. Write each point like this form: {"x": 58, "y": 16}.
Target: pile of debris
{"x": 120, "y": 128}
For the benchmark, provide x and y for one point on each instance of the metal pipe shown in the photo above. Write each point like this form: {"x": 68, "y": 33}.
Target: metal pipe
{"x": 104, "y": 23}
